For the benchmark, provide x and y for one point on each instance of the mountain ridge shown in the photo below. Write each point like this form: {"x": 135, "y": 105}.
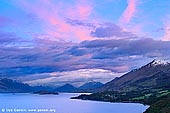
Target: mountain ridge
{"x": 142, "y": 75}
{"x": 66, "y": 88}
{"x": 9, "y": 85}
{"x": 91, "y": 85}
{"x": 12, "y": 86}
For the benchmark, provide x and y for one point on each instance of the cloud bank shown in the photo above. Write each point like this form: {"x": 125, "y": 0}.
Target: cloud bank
{"x": 76, "y": 77}
{"x": 117, "y": 55}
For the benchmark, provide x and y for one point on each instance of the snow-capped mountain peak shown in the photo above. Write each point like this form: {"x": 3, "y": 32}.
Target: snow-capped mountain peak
{"x": 160, "y": 62}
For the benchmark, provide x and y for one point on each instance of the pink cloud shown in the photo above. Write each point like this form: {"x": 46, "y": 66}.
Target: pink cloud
{"x": 129, "y": 12}
{"x": 166, "y": 36}
{"x": 53, "y": 18}
{"x": 84, "y": 11}
{"x": 82, "y": 33}
{"x": 81, "y": 10}
{"x": 166, "y": 29}
{"x": 121, "y": 68}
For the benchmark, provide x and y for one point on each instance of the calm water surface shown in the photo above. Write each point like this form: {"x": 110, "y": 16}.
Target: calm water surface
{"x": 62, "y": 104}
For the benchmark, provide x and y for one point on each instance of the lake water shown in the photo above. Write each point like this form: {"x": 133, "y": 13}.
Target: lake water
{"x": 32, "y": 103}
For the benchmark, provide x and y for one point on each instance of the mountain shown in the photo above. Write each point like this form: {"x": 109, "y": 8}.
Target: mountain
{"x": 155, "y": 74}
{"x": 66, "y": 88}
{"x": 87, "y": 87}
{"x": 8, "y": 85}
{"x": 91, "y": 85}
{"x": 149, "y": 85}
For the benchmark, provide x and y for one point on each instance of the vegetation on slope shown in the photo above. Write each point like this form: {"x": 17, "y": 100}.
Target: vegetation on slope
{"x": 146, "y": 96}
{"x": 162, "y": 106}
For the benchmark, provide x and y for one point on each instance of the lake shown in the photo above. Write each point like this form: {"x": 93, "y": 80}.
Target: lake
{"x": 33, "y": 103}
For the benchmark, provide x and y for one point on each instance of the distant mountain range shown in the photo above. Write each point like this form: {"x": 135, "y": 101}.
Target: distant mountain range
{"x": 91, "y": 85}
{"x": 155, "y": 74}
{"x": 87, "y": 87}
{"x": 9, "y": 85}
{"x": 66, "y": 88}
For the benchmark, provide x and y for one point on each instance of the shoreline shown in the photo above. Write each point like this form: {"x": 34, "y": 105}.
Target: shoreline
{"x": 132, "y": 102}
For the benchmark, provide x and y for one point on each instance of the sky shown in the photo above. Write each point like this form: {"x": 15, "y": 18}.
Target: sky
{"x": 76, "y": 41}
